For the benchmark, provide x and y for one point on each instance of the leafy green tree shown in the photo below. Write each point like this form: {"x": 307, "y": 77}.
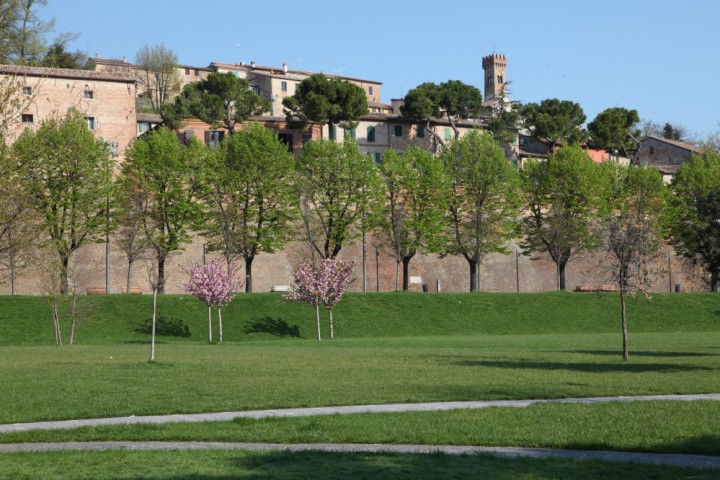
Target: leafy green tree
{"x": 453, "y": 99}
{"x": 484, "y": 200}
{"x": 615, "y": 130}
{"x": 158, "y": 74}
{"x": 672, "y": 132}
{"x": 562, "y": 200}
{"x": 57, "y": 56}
{"x": 23, "y": 32}
{"x": 505, "y": 118}
{"x": 694, "y": 216}
{"x": 635, "y": 200}
{"x": 339, "y": 191}
{"x": 555, "y": 120}
{"x": 222, "y": 100}
{"x": 416, "y": 200}
{"x": 65, "y": 173}
{"x": 251, "y": 200}
{"x": 171, "y": 175}
{"x": 325, "y": 100}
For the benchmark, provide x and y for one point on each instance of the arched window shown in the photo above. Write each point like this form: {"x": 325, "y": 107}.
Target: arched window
{"x": 500, "y": 79}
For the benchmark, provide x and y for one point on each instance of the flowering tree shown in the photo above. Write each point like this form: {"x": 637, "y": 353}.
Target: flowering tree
{"x": 321, "y": 284}
{"x": 214, "y": 286}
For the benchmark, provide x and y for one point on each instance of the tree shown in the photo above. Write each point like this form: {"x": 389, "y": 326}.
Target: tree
{"x": 635, "y": 199}
{"x": 694, "y": 216}
{"x": 672, "y": 132}
{"x": 339, "y": 189}
{"x": 57, "y": 55}
{"x": 452, "y": 99}
{"x": 615, "y": 130}
{"x": 562, "y": 200}
{"x": 505, "y": 118}
{"x": 251, "y": 197}
{"x": 133, "y": 211}
{"x": 22, "y": 40}
{"x": 321, "y": 284}
{"x": 415, "y": 203}
{"x": 215, "y": 287}
{"x": 158, "y": 74}
{"x": 65, "y": 173}
{"x": 222, "y": 100}
{"x": 484, "y": 200}
{"x": 12, "y": 102}
{"x": 555, "y": 120}
{"x": 326, "y": 100}
{"x": 170, "y": 174}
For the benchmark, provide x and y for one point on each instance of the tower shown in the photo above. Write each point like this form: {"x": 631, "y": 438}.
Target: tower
{"x": 494, "y": 68}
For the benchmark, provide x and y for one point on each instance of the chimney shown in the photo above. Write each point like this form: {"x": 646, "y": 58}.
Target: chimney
{"x": 285, "y": 68}
{"x": 252, "y": 63}
{"x": 124, "y": 59}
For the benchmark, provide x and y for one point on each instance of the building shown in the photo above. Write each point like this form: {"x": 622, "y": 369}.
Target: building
{"x": 664, "y": 155}
{"x": 105, "y": 98}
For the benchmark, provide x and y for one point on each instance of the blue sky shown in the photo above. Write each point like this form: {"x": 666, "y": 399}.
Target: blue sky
{"x": 659, "y": 57}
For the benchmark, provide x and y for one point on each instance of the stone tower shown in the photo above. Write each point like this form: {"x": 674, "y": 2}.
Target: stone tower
{"x": 494, "y": 67}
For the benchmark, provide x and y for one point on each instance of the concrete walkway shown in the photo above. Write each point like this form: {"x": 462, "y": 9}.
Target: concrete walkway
{"x": 306, "y": 412}
{"x": 692, "y": 461}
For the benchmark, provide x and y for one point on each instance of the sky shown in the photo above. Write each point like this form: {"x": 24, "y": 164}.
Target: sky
{"x": 659, "y": 57}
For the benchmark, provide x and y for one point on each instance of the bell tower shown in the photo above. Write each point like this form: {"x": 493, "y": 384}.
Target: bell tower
{"x": 494, "y": 68}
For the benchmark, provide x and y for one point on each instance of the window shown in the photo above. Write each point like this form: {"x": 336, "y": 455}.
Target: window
{"x": 489, "y": 81}
{"x": 448, "y": 134}
{"x": 283, "y": 86}
{"x": 350, "y": 132}
{"x": 371, "y": 134}
{"x": 143, "y": 127}
{"x": 186, "y": 135}
{"x": 652, "y": 150}
{"x": 90, "y": 122}
{"x": 256, "y": 89}
{"x": 419, "y": 132}
{"x": 377, "y": 157}
{"x": 187, "y": 71}
{"x": 89, "y": 94}
{"x": 27, "y": 90}
{"x": 333, "y": 132}
{"x": 26, "y": 119}
{"x": 287, "y": 139}
{"x": 398, "y": 130}
{"x": 197, "y": 72}
{"x": 370, "y": 90}
{"x": 500, "y": 79}
{"x": 213, "y": 138}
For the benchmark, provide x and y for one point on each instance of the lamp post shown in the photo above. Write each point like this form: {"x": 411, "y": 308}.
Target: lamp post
{"x": 517, "y": 271}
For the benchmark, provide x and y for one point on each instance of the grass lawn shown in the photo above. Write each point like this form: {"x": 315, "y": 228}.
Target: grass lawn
{"x": 217, "y": 465}
{"x": 390, "y": 348}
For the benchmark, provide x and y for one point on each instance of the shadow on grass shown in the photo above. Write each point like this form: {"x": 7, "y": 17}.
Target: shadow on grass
{"x": 617, "y": 353}
{"x": 583, "y": 367}
{"x": 143, "y": 342}
{"x": 326, "y": 466}
{"x": 274, "y": 326}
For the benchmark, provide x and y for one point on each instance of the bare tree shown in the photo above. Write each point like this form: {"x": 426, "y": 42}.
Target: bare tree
{"x": 635, "y": 200}
{"x": 158, "y": 74}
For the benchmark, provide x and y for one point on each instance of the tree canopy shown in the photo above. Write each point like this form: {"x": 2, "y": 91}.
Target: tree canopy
{"x": 221, "y": 100}
{"x": 694, "y": 216}
{"x": 326, "y": 100}
{"x": 562, "y": 200}
{"x": 484, "y": 200}
{"x": 158, "y": 74}
{"x": 555, "y": 120}
{"x": 453, "y": 99}
{"x": 615, "y": 130}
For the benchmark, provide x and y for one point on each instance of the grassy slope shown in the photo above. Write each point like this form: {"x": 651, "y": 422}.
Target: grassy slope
{"x": 112, "y": 319}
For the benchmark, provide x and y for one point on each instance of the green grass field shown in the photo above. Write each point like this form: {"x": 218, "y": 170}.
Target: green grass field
{"x": 388, "y": 348}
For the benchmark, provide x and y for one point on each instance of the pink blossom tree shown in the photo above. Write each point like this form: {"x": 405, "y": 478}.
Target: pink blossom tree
{"x": 321, "y": 284}
{"x": 215, "y": 287}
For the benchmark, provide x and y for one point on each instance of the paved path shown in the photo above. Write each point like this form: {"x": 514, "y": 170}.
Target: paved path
{"x": 306, "y": 412}
{"x": 692, "y": 461}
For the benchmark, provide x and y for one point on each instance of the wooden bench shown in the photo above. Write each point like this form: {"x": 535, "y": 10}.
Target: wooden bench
{"x": 607, "y": 288}
{"x": 584, "y": 288}
{"x": 280, "y": 288}
{"x": 132, "y": 290}
{"x": 96, "y": 291}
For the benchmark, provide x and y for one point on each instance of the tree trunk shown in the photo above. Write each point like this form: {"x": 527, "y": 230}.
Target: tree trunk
{"x": 714, "y": 280}
{"x": 161, "y": 274}
{"x": 624, "y": 324}
{"x": 332, "y": 333}
{"x": 406, "y": 271}
{"x": 209, "y": 324}
{"x": 473, "y": 275}
{"x": 64, "y": 286}
{"x": 248, "y": 273}
{"x": 73, "y": 307}
{"x": 317, "y": 321}
{"x": 220, "y": 324}
{"x": 397, "y": 275}
{"x": 154, "y": 318}
{"x": 561, "y": 274}
{"x": 129, "y": 276}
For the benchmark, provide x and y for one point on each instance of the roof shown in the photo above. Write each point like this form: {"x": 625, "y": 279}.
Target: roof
{"x": 67, "y": 73}
{"x": 149, "y": 117}
{"x": 677, "y": 143}
{"x": 281, "y": 71}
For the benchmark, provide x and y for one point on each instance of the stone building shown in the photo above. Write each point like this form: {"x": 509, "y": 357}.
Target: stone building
{"x": 664, "y": 155}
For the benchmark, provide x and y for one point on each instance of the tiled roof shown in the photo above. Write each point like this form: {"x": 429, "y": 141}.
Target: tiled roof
{"x": 677, "y": 143}
{"x": 280, "y": 71}
{"x": 149, "y": 117}
{"x": 67, "y": 73}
